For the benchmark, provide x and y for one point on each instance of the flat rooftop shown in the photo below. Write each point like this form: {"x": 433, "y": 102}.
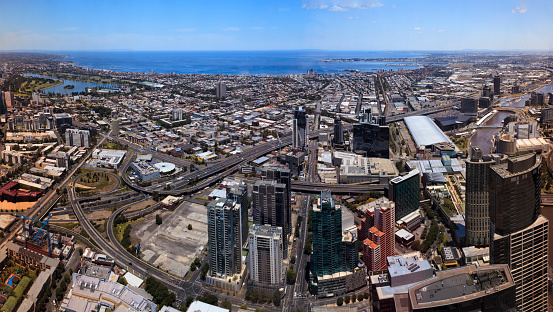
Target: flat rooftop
{"x": 407, "y": 263}
{"x": 458, "y": 285}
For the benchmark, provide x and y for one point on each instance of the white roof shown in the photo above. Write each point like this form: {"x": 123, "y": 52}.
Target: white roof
{"x": 133, "y": 280}
{"x": 165, "y": 167}
{"x": 218, "y": 193}
{"x": 472, "y": 251}
{"x": 198, "y": 306}
{"x": 425, "y": 132}
{"x": 410, "y": 216}
{"x": 404, "y": 234}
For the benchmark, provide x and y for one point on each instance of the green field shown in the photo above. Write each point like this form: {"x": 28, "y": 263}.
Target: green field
{"x": 22, "y": 286}
{"x": 10, "y": 304}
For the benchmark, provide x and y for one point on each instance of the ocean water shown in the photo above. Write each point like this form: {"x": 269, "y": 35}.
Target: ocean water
{"x": 234, "y": 62}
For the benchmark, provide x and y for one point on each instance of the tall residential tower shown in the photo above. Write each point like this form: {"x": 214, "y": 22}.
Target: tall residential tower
{"x": 265, "y": 254}
{"x": 335, "y": 251}
{"x": 300, "y": 129}
{"x": 223, "y": 228}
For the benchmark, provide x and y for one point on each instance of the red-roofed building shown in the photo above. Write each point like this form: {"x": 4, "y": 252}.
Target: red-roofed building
{"x": 379, "y": 243}
{"x": 11, "y": 192}
{"x": 366, "y": 223}
{"x": 371, "y": 253}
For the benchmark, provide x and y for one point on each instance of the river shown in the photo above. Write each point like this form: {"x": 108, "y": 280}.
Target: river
{"x": 79, "y": 85}
{"x": 483, "y": 137}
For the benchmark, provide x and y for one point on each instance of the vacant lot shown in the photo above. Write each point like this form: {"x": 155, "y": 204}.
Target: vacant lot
{"x": 94, "y": 183}
{"x": 171, "y": 245}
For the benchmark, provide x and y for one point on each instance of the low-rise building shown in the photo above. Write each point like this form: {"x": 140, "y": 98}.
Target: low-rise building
{"x": 107, "y": 158}
{"x": 472, "y": 254}
{"x": 411, "y": 222}
{"x": 404, "y": 237}
{"x": 30, "y": 257}
{"x": 87, "y": 293}
{"x": 356, "y": 168}
{"x": 488, "y": 288}
{"x": 145, "y": 170}
{"x": 451, "y": 256}
{"x": 198, "y": 306}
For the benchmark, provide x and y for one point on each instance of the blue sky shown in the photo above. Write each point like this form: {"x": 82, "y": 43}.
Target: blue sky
{"x": 276, "y": 25}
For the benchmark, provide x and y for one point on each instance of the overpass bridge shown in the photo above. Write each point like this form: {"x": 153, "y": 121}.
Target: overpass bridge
{"x": 426, "y": 111}
{"x": 316, "y": 188}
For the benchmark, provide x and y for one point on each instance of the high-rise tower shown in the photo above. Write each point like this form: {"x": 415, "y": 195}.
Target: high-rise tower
{"x": 282, "y": 175}
{"x": 371, "y": 136}
{"x": 265, "y": 254}
{"x": 330, "y": 254}
{"x": 221, "y": 90}
{"x": 518, "y": 232}
{"x": 299, "y": 129}
{"x": 477, "y": 230}
{"x": 223, "y": 227}
{"x": 496, "y": 85}
{"x": 405, "y": 192}
{"x": 239, "y": 194}
{"x": 269, "y": 206}
{"x": 338, "y": 131}
{"x": 380, "y": 242}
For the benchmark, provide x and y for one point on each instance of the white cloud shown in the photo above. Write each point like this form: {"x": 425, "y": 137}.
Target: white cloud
{"x": 232, "y": 29}
{"x": 418, "y": 28}
{"x": 185, "y": 30}
{"x": 336, "y": 8}
{"x": 394, "y": 6}
{"x": 519, "y": 10}
{"x": 339, "y": 5}
{"x": 441, "y": 30}
{"x": 257, "y": 28}
{"x": 374, "y": 22}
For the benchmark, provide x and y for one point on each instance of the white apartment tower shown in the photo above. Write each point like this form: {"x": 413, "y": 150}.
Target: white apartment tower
{"x": 265, "y": 256}
{"x": 76, "y": 137}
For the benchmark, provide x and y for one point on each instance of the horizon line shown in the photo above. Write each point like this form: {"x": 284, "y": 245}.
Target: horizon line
{"x": 275, "y": 50}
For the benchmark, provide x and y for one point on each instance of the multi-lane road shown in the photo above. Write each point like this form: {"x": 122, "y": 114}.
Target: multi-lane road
{"x": 114, "y": 250}
{"x": 297, "y": 293}
{"x": 38, "y": 209}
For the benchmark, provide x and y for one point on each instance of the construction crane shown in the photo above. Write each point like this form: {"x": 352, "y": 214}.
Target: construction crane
{"x": 44, "y": 223}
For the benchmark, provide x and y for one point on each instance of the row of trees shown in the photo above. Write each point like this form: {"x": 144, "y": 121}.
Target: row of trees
{"x": 262, "y": 297}
{"x": 347, "y": 299}
{"x": 126, "y": 240}
{"x": 160, "y": 293}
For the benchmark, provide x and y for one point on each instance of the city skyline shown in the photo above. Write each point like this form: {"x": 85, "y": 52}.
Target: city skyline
{"x": 364, "y": 25}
